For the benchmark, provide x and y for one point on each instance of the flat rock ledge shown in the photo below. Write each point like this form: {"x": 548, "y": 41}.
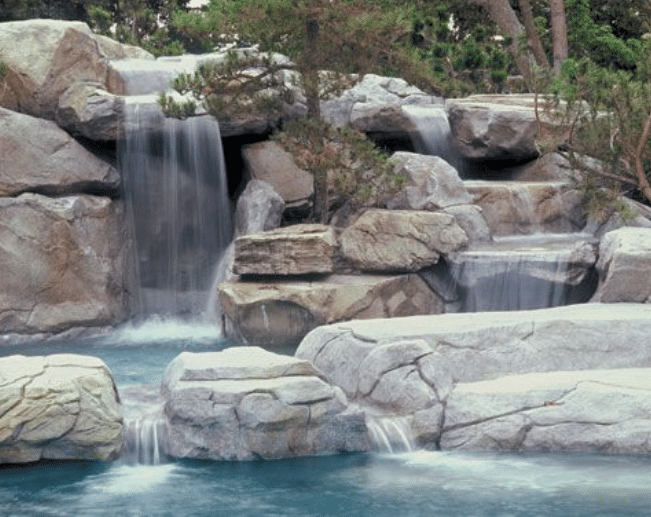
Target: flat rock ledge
{"x": 527, "y": 380}
{"x": 62, "y": 407}
{"x": 245, "y": 403}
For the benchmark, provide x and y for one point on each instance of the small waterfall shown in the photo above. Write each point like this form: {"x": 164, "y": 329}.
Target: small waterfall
{"x": 175, "y": 185}
{"x": 432, "y": 134}
{"x": 390, "y": 435}
{"x": 145, "y": 431}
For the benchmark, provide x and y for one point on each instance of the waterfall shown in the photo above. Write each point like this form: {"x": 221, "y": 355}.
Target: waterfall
{"x": 175, "y": 185}
{"x": 390, "y": 434}
{"x": 145, "y": 430}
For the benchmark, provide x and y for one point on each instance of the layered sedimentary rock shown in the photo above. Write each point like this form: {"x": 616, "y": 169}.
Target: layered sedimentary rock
{"x": 58, "y": 407}
{"x": 281, "y": 313}
{"x": 293, "y": 250}
{"x": 245, "y": 403}
{"x": 65, "y": 263}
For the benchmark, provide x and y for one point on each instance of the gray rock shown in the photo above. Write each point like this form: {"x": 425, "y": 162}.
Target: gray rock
{"x": 604, "y": 411}
{"x": 45, "y": 158}
{"x": 282, "y": 313}
{"x": 246, "y": 403}
{"x": 293, "y": 250}
{"x": 67, "y": 262}
{"x": 259, "y": 208}
{"x": 400, "y": 240}
{"x": 513, "y": 208}
{"x": 472, "y": 221}
{"x": 267, "y": 161}
{"x": 432, "y": 183}
{"x": 87, "y": 109}
{"x": 623, "y": 266}
{"x": 58, "y": 407}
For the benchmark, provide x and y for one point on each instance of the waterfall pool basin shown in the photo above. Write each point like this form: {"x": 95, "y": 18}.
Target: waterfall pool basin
{"x": 422, "y": 483}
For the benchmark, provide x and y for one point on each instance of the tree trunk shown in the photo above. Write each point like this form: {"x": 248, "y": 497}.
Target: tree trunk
{"x": 505, "y": 18}
{"x": 534, "y": 40}
{"x": 643, "y": 142}
{"x": 559, "y": 33}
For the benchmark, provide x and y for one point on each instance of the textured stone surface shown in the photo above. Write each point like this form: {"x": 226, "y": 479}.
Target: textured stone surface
{"x": 512, "y": 208}
{"x": 45, "y": 58}
{"x": 245, "y": 403}
{"x": 267, "y": 161}
{"x": 400, "y": 240}
{"x": 493, "y": 127}
{"x": 293, "y": 250}
{"x": 624, "y": 265}
{"x": 281, "y": 313}
{"x": 66, "y": 258}
{"x": 603, "y": 411}
{"x": 87, "y": 109}
{"x": 58, "y": 407}
{"x": 432, "y": 183}
{"x": 259, "y": 208}
{"x": 39, "y": 155}
{"x": 411, "y": 365}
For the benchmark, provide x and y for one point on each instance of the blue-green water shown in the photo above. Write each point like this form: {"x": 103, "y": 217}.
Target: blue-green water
{"x": 373, "y": 485}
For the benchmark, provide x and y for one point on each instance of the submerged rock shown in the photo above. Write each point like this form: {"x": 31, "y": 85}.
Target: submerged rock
{"x": 245, "y": 403}
{"x": 60, "y": 407}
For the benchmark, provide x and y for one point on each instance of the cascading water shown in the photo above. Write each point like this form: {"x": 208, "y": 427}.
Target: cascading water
{"x": 390, "y": 434}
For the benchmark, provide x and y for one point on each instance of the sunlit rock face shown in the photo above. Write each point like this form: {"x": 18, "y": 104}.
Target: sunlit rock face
{"x": 245, "y": 403}
{"x": 67, "y": 262}
{"x": 454, "y": 369}
{"x": 58, "y": 407}
{"x": 282, "y": 313}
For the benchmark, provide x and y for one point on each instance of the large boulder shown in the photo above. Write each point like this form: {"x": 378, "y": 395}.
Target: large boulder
{"x": 409, "y": 366}
{"x": 39, "y": 156}
{"x": 259, "y": 208}
{"x": 293, "y": 250}
{"x": 597, "y": 411}
{"x": 245, "y": 403}
{"x": 268, "y": 161}
{"x": 513, "y": 208}
{"x": 375, "y": 105}
{"x": 44, "y": 58}
{"x": 400, "y": 240}
{"x": 431, "y": 183}
{"x": 494, "y": 127}
{"x": 67, "y": 263}
{"x": 58, "y": 407}
{"x": 281, "y": 313}
{"x": 624, "y": 264}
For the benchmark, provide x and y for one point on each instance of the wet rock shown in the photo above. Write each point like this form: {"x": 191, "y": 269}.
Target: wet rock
{"x": 400, "y": 240}
{"x": 67, "y": 258}
{"x": 623, "y": 266}
{"x": 259, "y": 208}
{"x": 245, "y": 403}
{"x": 46, "y": 159}
{"x": 598, "y": 411}
{"x": 283, "y": 312}
{"x": 293, "y": 250}
{"x": 58, "y": 407}
{"x": 267, "y": 161}
{"x": 431, "y": 183}
{"x": 515, "y": 208}
{"x": 471, "y": 220}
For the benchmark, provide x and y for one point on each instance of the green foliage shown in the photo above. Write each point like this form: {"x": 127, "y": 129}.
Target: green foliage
{"x": 4, "y": 70}
{"x": 352, "y": 165}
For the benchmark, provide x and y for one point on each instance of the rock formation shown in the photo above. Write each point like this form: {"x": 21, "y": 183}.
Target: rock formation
{"x": 62, "y": 407}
